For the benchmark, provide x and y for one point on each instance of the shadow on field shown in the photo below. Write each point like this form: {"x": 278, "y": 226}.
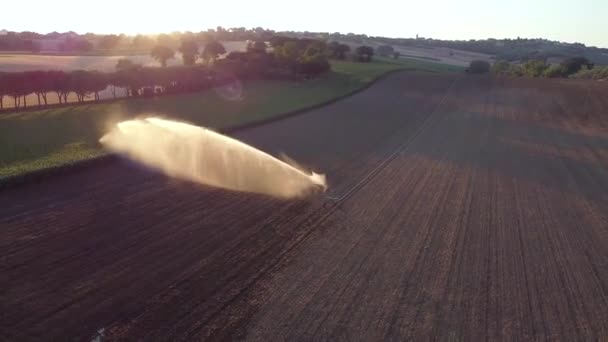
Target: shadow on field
{"x": 561, "y": 160}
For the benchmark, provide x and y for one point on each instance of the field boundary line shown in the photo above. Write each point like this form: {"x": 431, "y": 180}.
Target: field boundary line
{"x": 427, "y": 122}
{"x": 297, "y": 112}
{"x": 39, "y": 175}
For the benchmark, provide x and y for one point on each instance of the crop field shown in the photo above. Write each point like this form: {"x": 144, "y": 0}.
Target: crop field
{"x": 57, "y": 136}
{"x": 32, "y": 62}
{"x": 443, "y": 55}
{"x": 464, "y": 208}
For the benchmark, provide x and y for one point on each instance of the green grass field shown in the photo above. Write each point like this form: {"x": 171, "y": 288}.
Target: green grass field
{"x": 51, "y": 137}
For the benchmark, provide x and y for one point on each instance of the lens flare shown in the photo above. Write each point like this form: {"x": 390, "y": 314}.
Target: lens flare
{"x": 198, "y": 154}
{"x": 232, "y": 90}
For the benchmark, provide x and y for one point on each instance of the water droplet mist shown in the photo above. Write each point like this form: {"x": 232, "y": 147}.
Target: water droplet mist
{"x": 200, "y": 155}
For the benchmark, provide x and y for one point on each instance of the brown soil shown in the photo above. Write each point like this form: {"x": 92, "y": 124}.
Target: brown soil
{"x": 487, "y": 220}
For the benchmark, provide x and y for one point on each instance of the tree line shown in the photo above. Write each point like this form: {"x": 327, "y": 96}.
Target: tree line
{"x": 520, "y": 49}
{"x": 540, "y": 68}
{"x": 574, "y": 67}
{"x": 511, "y": 50}
{"x": 279, "y": 58}
{"x": 73, "y": 42}
{"x": 290, "y": 58}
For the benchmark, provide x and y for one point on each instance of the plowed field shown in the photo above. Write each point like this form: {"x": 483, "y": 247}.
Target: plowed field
{"x": 460, "y": 207}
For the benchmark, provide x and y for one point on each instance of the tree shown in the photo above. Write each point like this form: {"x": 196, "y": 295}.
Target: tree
{"x": 109, "y": 42}
{"x": 364, "y": 53}
{"x": 132, "y": 79}
{"x": 313, "y": 65}
{"x": 212, "y": 50}
{"x": 124, "y": 64}
{"x": 516, "y": 70}
{"x": 278, "y": 41}
{"x": 555, "y": 71}
{"x": 58, "y": 82}
{"x": 142, "y": 42}
{"x": 287, "y": 55}
{"x": 501, "y": 68}
{"x": 3, "y": 89}
{"x": 76, "y": 44}
{"x": 535, "y": 68}
{"x": 166, "y": 40}
{"x": 478, "y": 67}
{"x": 115, "y": 81}
{"x": 574, "y": 64}
{"x": 385, "y": 50}
{"x": 32, "y": 46}
{"x": 78, "y": 83}
{"x": 26, "y": 88}
{"x": 316, "y": 47}
{"x": 256, "y": 46}
{"x": 96, "y": 82}
{"x": 599, "y": 73}
{"x": 41, "y": 85}
{"x": 162, "y": 53}
{"x": 337, "y": 50}
{"x": 12, "y": 87}
{"x": 18, "y": 86}
{"x": 189, "y": 50}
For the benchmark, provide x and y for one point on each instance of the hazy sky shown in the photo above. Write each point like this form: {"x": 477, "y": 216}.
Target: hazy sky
{"x": 565, "y": 20}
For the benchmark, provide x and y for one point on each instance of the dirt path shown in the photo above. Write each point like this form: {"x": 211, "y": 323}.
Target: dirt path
{"x": 490, "y": 223}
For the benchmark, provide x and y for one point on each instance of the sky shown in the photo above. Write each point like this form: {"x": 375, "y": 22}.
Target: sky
{"x": 563, "y": 20}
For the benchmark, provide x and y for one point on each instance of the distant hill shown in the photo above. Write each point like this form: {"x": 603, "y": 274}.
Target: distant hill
{"x": 501, "y": 49}
{"x": 515, "y": 49}
{"x": 450, "y": 51}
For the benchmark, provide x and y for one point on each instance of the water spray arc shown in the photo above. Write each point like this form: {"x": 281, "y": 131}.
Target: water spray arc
{"x": 200, "y": 155}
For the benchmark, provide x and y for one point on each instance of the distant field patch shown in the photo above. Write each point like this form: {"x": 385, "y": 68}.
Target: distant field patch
{"x": 12, "y": 62}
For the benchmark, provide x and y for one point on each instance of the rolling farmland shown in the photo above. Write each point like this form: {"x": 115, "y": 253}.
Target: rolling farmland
{"x": 464, "y": 208}
{"x": 65, "y": 134}
{"x": 33, "y": 62}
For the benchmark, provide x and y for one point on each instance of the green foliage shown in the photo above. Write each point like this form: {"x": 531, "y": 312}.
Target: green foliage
{"x": 76, "y": 45}
{"x": 511, "y": 50}
{"x": 256, "y": 46}
{"x": 337, "y": 50}
{"x": 539, "y": 68}
{"x": 555, "y": 71}
{"x": 574, "y": 64}
{"x": 162, "y": 53}
{"x": 278, "y": 41}
{"x": 167, "y": 40}
{"x": 212, "y": 51}
{"x": 385, "y": 50}
{"x": 63, "y": 135}
{"x": 364, "y": 53}
{"x": 189, "y": 50}
{"x": 534, "y": 68}
{"x": 142, "y": 42}
{"x": 313, "y": 65}
{"x": 501, "y": 68}
{"x": 287, "y": 55}
{"x": 302, "y": 56}
{"x": 317, "y": 47}
{"x": 124, "y": 64}
{"x": 596, "y": 73}
{"x": 109, "y": 41}
{"x": 479, "y": 67}
{"x": 83, "y": 83}
{"x": 516, "y": 70}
